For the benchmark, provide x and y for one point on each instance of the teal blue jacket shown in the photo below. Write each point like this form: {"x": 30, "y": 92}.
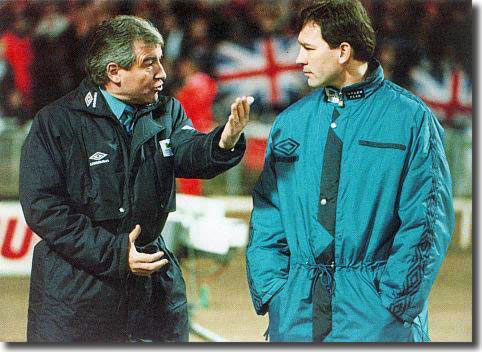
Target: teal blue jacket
{"x": 394, "y": 215}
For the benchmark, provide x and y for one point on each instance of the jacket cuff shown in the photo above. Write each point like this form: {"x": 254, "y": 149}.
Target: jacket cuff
{"x": 224, "y": 155}
{"x": 403, "y": 317}
{"x": 261, "y": 306}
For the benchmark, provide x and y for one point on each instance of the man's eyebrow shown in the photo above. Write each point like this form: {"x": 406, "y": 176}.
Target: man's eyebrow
{"x": 153, "y": 58}
{"x": 303, "y": 44}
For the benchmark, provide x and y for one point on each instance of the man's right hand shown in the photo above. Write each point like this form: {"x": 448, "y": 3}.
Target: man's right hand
{"x": 143, "y": 264}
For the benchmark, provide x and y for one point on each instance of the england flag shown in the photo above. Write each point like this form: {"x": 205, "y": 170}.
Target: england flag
{"x": 264, "y": 69}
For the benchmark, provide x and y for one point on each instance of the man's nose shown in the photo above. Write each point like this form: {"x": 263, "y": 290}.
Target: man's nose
{"x": 161, "y": 73}
{"x": 301, "y": 58}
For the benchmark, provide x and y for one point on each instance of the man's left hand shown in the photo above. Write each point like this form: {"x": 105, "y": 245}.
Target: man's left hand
{"x": 236, "y": 123}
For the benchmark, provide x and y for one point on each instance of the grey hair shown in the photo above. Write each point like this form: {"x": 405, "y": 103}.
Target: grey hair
{"x": 112, "y": 41}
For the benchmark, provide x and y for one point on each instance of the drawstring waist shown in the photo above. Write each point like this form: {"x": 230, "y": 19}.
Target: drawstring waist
{"x": 322, "y": 290}
{"x": 323, "y": 272}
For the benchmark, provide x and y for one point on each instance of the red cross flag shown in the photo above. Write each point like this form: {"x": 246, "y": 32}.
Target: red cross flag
{"x": 264, "y": 69}
{"x": 449, "y": 96}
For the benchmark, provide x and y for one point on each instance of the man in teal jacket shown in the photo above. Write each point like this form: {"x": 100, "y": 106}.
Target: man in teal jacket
{"x": 353, "y": 210}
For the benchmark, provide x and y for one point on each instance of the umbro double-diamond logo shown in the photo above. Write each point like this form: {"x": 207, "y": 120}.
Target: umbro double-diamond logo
{"x": 286, "y": 146}
{"x": 98, "y": 158}
{"x": 89, "y": 98}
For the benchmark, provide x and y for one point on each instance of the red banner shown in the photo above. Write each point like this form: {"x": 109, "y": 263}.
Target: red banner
{"x": 16, "y": 241}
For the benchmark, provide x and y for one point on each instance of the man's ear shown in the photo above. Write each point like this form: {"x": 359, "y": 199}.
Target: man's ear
{"x": 113, "y": 72}
{"x": 346, "y": 52}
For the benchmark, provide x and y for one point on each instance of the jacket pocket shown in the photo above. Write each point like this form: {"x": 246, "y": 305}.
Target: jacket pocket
{"x": 366, "y": 305}
{"x": 373, "y": 283}
{"x": 107, "y": 201}
{"x": 173, "y": 286}
{"x": 382, "y": 145}
{"x": 173, "y": 258}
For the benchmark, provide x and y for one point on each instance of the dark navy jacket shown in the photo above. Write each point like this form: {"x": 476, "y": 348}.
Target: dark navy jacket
{"x": 84, "y": 185}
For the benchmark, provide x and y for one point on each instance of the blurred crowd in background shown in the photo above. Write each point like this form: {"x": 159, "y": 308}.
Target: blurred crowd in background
{"x": 215, "y": 50}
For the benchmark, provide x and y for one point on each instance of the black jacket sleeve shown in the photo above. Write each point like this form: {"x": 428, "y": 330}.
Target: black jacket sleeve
{"x": 197, "y": 155}
{"x": 49, "y": 212}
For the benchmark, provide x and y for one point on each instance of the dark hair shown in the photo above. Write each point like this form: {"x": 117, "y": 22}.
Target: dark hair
{"x": 342, "y": 21}
{"x": 112, "y": 41}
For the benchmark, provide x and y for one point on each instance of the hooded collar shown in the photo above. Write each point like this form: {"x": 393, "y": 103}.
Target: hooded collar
{"x": 358, "y": 90}
{"x": 89, "y": 98}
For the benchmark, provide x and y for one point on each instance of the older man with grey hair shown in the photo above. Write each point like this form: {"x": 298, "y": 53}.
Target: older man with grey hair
{"x": 97, "y": 183}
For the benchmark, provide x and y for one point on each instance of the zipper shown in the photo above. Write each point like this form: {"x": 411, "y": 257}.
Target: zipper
{"x": 131, "y": 160}
{"x": 125, "y": 154}
{"x": 128, "y": 161}
{"x": 131, "y": 163}
{"x": 127, "y": 194}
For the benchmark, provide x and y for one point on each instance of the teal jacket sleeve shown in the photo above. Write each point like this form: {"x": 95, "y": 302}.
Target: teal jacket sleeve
{"x": 426, "y": 215}
{"x": 267, "y": 253}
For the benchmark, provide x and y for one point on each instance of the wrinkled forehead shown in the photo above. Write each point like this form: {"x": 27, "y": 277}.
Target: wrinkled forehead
{"x": 142, "y": 49}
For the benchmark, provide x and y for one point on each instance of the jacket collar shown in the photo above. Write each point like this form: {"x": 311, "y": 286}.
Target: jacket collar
{"x": 88, "y": 98}
{"x": 358, "y": 90}
{"x": 145, "y": 129}
{"x": 116, "y": 106}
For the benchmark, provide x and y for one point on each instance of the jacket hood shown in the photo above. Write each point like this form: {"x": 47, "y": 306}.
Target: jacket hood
{"x": 88, "y": 98}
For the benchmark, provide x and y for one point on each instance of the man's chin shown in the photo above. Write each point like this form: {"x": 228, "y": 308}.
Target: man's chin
{"x": 313, "y": 84}
{"x": 151, "y": 99}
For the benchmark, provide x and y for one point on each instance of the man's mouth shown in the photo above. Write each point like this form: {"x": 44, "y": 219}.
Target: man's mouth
{"x": 158, "y": 87}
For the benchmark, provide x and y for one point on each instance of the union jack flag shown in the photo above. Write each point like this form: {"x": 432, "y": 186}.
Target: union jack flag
{"x": 264, "y": 69}
{"x": 449, "y": 97}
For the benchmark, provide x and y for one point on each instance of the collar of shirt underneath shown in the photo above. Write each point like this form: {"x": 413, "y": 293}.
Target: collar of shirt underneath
{"x": 116, "y": 106}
